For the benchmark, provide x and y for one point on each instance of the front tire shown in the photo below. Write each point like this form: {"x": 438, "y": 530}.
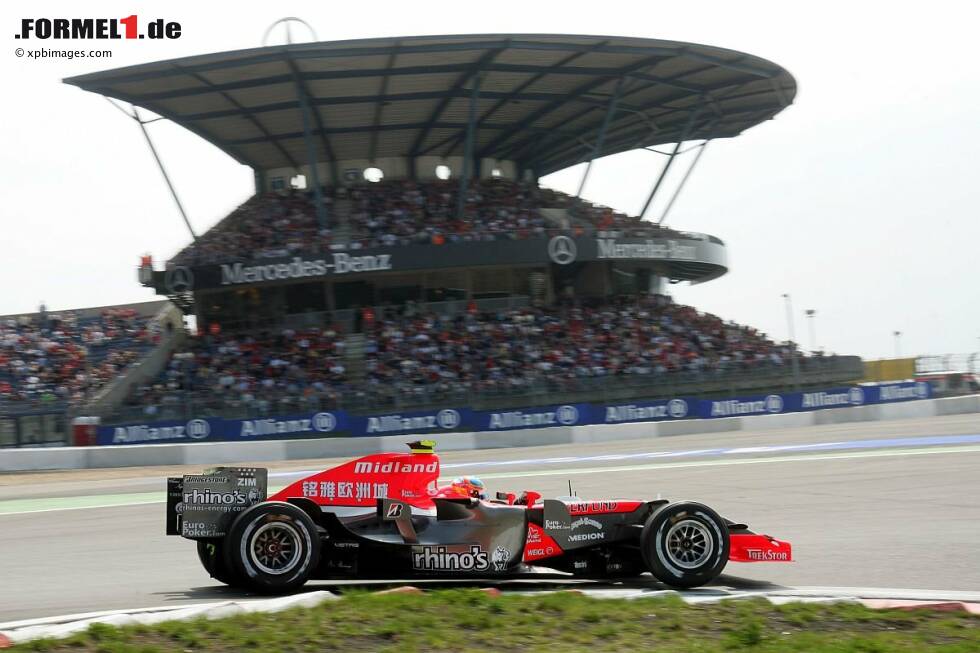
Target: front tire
{"x": 273, "y": 547}
{"x": 685, "y": 544}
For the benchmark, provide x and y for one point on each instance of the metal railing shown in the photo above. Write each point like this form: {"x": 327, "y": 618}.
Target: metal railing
{"x": 732, "y": 381}
{"x": 34, "y": 424}
{"x": 345, "y": 319}
{"x": 948, "y": 363}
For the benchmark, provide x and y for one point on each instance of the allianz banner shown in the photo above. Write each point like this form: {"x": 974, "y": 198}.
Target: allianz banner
{"x": 416, "y": 422}
{"x": 793, "y": 402}
{"x": 448, "y": 420}
{"x": 214, "y": 429}
{"x": 647, "y": 411}
{"x": 532, "y": 418}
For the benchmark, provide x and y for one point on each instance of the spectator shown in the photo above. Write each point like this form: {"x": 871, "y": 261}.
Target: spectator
{"x": 60, "y": 356}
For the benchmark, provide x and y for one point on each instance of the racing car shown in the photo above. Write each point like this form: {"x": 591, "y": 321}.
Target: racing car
{"x": 385, "y": 516}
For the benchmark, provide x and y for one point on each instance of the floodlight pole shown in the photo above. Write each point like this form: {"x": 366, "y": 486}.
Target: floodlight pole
{"x": 792, "y": 340}
{"x": 811, "y": 314}
{"x": 670, "y": 160}
{"x": 468, "y": 163}
{"x": 601, "y": 137}
{"x": 163, "y": 169}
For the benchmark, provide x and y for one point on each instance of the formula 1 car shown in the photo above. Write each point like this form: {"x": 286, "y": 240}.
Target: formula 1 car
{"x": 384, "y": 516}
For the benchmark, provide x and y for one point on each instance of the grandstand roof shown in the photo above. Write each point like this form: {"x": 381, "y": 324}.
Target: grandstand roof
{"x": 542, "y": 98}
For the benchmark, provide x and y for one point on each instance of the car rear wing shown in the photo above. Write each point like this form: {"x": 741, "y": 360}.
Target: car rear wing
{"x": 205, "y": 505}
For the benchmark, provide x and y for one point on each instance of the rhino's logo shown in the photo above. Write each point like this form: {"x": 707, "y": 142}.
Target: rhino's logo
{"x": 500, "y": 558}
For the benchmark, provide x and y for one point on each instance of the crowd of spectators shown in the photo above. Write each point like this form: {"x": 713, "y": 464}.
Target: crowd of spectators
{"x": 398, "y": 212}
{"x": 61, "y": 357}
{"x": 410, "y": 212}
{"x": 262, "y": 373}
{"x": 417, "y": 354}
{"x": 266, "y": 226}
{"x": 558, "y": 347}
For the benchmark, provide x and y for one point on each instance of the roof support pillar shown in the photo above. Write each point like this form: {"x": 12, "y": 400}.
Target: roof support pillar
{"x": 601, "y": 137}
{"x": 670, "y": 160}
{"x": 468, "y": 161}
{"x": 680, "y": 187}
{"x": 321, "y": 210}
{"x": 163, "y": 169}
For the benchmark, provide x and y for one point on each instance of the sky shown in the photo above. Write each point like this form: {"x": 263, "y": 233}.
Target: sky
{"x": 860, "y": 200}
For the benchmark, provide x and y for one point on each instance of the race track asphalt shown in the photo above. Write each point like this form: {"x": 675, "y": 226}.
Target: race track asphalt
{"x": 871, "y": 505}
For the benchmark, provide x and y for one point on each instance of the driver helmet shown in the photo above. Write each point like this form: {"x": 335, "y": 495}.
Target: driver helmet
{"x": 469, "y": 486}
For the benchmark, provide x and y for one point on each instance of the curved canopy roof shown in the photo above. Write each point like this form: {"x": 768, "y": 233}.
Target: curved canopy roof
{"x": 541, "y": 100}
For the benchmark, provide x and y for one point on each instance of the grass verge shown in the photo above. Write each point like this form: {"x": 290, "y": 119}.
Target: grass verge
{"x": 470, "y": 620}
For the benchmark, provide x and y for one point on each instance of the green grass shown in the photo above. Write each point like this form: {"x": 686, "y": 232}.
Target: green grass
{"x": 470, "y": 620}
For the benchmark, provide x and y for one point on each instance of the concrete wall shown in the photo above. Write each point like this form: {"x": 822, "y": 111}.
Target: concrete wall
{"x": 272, "y": 450}
{"x": 149, "y": 367}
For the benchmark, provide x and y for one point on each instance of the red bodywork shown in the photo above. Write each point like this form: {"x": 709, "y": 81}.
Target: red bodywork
{"x": 412, "y": 478}
{"x": 749, "y": 547}
{"x": 539, "y": 545}
{"x": 408, "y": 477}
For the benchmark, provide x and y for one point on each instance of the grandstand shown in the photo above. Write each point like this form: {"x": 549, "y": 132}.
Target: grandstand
{"x": 52, "y": 361}
{"x": 398, "y": 251}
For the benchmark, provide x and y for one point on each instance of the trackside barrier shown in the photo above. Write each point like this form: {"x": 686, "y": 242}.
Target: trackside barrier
{"x": 463, "y": 419}
{"x": 277, "y": 450}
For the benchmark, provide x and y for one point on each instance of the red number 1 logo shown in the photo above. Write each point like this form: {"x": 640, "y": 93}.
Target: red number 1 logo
{"x": 130, "y": 23}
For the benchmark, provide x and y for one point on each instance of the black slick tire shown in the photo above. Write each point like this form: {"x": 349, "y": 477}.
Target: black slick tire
{"x": 685, "y": 544}
{"x": 273, "y": 547}
{"x": 212, "y": 556}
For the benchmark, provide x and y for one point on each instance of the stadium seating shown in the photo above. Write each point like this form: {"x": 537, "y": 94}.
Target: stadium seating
{"x": 263, "y": 373}
{"x": 61, "y": 357}
{"x": 392, "y": 213}
{"x": 408, "y": 355}
{"x": 516, "y": 349}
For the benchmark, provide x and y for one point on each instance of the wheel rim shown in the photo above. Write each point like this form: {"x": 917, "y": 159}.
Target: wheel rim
{"x": 275, "y": 548}
{"x": 689, "y": 544}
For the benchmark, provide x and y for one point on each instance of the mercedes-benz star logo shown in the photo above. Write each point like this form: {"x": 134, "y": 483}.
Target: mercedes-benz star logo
{"x": 562, "y": 250}
{"x": 179, "y": 279}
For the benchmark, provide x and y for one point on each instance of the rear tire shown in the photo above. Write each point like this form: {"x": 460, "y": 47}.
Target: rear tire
{"x": 212, "y": 556}
{"x": 273, "y": 547}
{"x": 685, "y": 544}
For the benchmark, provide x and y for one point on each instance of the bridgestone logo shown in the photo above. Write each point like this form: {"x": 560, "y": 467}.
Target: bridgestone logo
{"x": 439, "y": 558}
